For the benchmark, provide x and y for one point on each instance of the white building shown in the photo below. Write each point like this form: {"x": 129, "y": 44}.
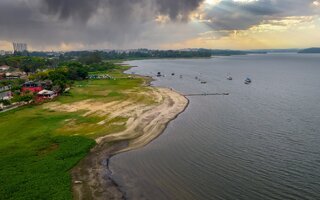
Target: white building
{"x": 20, "y": 47}
{"x": 4, "y": 68}
{"x": 2, "y": 52}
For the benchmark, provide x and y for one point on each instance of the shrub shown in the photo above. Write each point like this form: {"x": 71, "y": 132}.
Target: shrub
{"x": 5, "y": 102}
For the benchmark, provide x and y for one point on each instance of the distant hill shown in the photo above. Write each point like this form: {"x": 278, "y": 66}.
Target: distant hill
{"x": 276, "y": 50}
{"x": 311, "y": 50}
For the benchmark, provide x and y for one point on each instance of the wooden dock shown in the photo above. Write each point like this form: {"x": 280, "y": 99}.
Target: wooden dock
{"x": 207, "y": 94}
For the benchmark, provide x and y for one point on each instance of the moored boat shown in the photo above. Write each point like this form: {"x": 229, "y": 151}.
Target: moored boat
{"x": 248, "y": 81}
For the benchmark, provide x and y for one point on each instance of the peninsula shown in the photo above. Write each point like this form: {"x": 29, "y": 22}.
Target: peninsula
{"x": 100, "y": 117}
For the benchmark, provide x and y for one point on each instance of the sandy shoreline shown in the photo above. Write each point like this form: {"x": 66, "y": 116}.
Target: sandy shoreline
{"x": 91, "y": 177}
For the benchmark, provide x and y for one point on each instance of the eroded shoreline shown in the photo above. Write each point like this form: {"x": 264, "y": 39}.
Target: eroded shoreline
{"x": 91, "y": 177}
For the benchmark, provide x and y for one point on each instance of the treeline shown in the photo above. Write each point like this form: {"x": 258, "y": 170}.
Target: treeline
{"x": 97, "y": 57}
{"x": 61, "y": 71}
{"x": 310, "y": 50}
{"x": 68, "y": 72}
{"x": 94, "y": 56}
{"x": 63, "y": 75}
{"x": 28, "y": 64}
{"x": 140, "y": 54}
{"x": 32, "y": 64}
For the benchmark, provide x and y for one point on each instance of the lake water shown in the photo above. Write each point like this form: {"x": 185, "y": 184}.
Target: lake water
{"x": 260, "y": 142}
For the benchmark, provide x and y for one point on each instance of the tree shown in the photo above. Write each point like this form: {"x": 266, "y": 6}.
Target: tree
{"x": 76, "y": 71}
{"x": 91, "y": 58}
{"x": 59, "y": 79}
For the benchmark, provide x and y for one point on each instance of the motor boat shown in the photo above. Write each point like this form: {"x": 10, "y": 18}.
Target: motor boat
{"x": 229, "y": 78}
{"x": 248, "y": 81}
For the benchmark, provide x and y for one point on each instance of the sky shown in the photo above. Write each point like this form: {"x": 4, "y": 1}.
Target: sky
{"x": 159, "y": 24}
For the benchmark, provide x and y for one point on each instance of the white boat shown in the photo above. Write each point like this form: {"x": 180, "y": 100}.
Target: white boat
{"x": 248, "y": 81}
{"x": 229, "y": 78}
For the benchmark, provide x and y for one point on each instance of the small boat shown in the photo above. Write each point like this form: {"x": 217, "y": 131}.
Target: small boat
{"x": 248, "y": 81}
{"x": 181, "y": 76}
{"x": 196, "y": 78}
{"x": 172, "y": 74}
{"x": 229, "y": 78}
{"x": 203, "y": 82}
{"x": 159, "y": 74}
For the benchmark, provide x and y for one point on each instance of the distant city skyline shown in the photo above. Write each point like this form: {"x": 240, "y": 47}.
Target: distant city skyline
{"x": 160, "y": 24}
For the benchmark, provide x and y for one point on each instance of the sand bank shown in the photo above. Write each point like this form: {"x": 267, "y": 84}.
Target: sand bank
{"x": 145, "y": 122}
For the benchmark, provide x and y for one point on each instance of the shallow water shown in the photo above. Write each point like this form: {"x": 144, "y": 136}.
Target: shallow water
{"x": 260, "y": 142}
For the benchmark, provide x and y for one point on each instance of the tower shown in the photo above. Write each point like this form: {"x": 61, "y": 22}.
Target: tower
{"x": 19, "y": 47}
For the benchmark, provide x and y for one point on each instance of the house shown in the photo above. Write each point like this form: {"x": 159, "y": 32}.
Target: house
{"x": 2, "y": 75}
{"x": 14, "y": 75}
{"x": 4, "y": 68}
{"x": 5, "y": 88}
{"x": 5, "y": 95}
{"x": 46, "y": 94}
{"x": 31, "y": 87}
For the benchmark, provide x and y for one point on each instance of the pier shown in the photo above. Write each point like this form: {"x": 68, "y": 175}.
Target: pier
{"x": 207, "y": 94}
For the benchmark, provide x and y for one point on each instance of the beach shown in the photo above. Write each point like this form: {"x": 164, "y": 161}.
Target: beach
{"x": 90, "y": 177}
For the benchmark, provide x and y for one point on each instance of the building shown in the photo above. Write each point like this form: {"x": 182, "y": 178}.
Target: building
{"x": 20, "y": 47}
{"x": 5, "y": 88}
{"x": 5, "y": 92}
{"x": 15, "y": 75}
{"x": 45, "y": 95}
{"x": 2, "y": 75}
{"x": 2, "y": 52}
{"x": 8, "y": 52}
{"x": 6, "y": 95}
{"x": 31, "y": 87}
{"x": 4, "y": 68}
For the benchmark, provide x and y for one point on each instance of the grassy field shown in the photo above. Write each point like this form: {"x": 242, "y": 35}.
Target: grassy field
{"x": 38, "y": 147}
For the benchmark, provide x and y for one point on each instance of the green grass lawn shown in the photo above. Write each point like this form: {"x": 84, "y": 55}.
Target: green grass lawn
{"x": 34, "y": 162}
{"x": 36, "y": 154}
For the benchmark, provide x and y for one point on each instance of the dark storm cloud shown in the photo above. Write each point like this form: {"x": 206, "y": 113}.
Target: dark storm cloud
{"x": 129, "y": 23}
{"x": 79, "y": 9}
{"x": 237, "y": 15}
{"x": 116, "y": 22}
{"x": 84, "y": 9}
{"x": 85, "y": 21}
{"x": 177, "y": 8}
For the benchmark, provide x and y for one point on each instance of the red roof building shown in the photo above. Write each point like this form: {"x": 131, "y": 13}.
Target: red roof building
{"x": 31, "y": 87}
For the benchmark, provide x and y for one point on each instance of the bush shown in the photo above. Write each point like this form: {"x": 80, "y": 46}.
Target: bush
{"x": 5, "y": 102}
{"x": 23, "y": 98}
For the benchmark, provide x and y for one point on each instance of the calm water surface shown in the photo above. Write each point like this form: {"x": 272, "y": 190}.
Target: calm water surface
{"x": 261, "y": 142}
